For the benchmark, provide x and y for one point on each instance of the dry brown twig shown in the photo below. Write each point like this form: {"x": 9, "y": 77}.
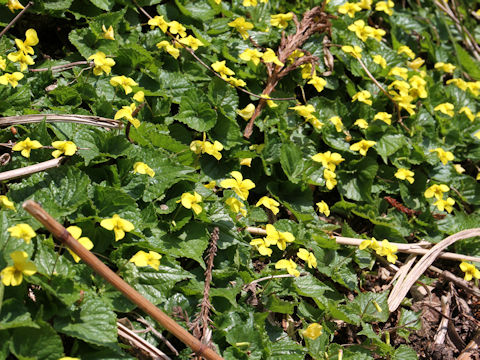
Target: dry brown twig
{"x": 15, "y": 19}
{"x": 54, "y": 118}
{"x": 32, "y": 169}
{"x": 157, "y": 333}
{"x": 141, "y": 344}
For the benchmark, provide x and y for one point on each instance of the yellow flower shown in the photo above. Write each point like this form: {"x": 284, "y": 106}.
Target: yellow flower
{"x": 249, "y": 3}
{"x": 281, "y": 20}
{"x": 470, "y": 271}
{"x": 236, "y": 206}
{"x": 383, "y": 116}
{"x": 405, "y": 174}
{"x": 124, "y": 82}
{"x": 314, "y": 330}
{"x": 14, "y": 5}
{"x": 458, "y": 168}
{"x": 402, "y": 86}
{"x": 6, "y": 203}
{"x": 323, "y": 208}
{"x": 237, "y": 184}
{"x": 176, "y": 28}
{"x": 271, "y": 104}
{"x": 317, "y": 124}
{"x": 13, "y": 275}
{"x": 26, "y": 146}
{"x": 22, "y": 58}
{"x": 372, "y": 244}
{"x": 446, "y": 205}
{"x": 355, "y": 51}
{"x": 3, "y": 63}
{"x": 362, "y": 146}
{"x": 252, "y": 55}
{"x": 289, "y": 265}
{"x": 446, "y": 67}
{"x": 211, "y": 185}
{"x": 467, "y": 112}
{"x": 191, "y": 42}
{"x": 142, "y": 168}
{"x": 365, "y": 4}
{"x": 296, "y": 54}
{"x": 141, "y": 258}
{"x": 388, "y": 250}
{"x": 118, "y": 225}
{"x": 222, "y": 69}
{"x": 445, "y": 108}
{"x": 377, "y": 34}
{"x": 359, "y": 28}
{"x": 308, "y": 257}
{"x": 158, "y": 21}
{"x": 102, "y": 63}
{"x": 190, "y": 201}
{"x": 361, "y": 123}
{"x": 168, "y": 47}
{"x": 444, "y": 156}
{"x": 76, "y": 232}
{"x": 460, "y": 83}
{"x": 436, "y": 190}
{"x": 404, "y": 49}
{"x": 236, "y": 82}
{"x": 204, "y": 146}
{"x": 349, "y": 8}
{"x": 415, "y": 64}
{"x": 11, "y": 79}
{"x": 399, "y": 71}
{"x": 31, "y": 39}
{"x": 363, "y": 96}
{"x": 65, "y": 147}
{"x": 127, "y": 113}
{"x": 477, "y": 134}
{"x": 418, "y": 87}
{"x": 269, "y": 203}
{"x": 328, "y": 159}
{"x": 247, "y": 112}
{"x": 261, "y": 247}
{"x": 241, "y": 26}
{"x": 330, "y": 179}
{"x": 108, "y": 33}
{"x": 22, "y": 231}
{"x": 279, "y": 238}
{"x": 308, "y": 72}
{"x": 404, "y": 102}
{"x": 474, "y": 87}
{"x": 304, "y": 110}
{"x": 139, "y": 96}
{"x": 380, "y": 60}
{"x": 337, "y": 121}
{"x": 385, "y": 6}
{"x": 318, "y": 82}
{"x": 269, "y": 56}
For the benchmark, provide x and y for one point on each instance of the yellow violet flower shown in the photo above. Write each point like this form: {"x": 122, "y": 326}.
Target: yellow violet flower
{"x": 281, "y": 20}
{"x": 249, "y": 3}
{"x": 14, "y": 5}
{"x": 176, "y": 28}
{"x": 362, "y": 146}
{"x": 269, "y": 56}
{"x": 22, "y": 231}
{"x": 418, "y": 87}
{"x": 445, "y": 108}
{"x": 22, "y": 58}
{"x": 11, "y": 79}
{"x": 237, "y": 184}
{"x": 190, "y": 201}
{"x": 380, "y": 60}
{"x": 236, "y": 82}
{"x": 308, "y": 257}
{"x": 76, "y": 232}
{"x": 261, "y": 247}
{"x": 308, "y": 71}
{"x": 399, "y": 71}
{"x": 349, "y": 8}
{"x": 446, "y": 205}
{"x": 222, "y": 69}
{"x": 6, "y": 203}
{"x": 372, "y": 244}
{"x": 436, "y": 190}
{"x": 355, "y": 51}
{"x": 314, "y": 330}
{"x": 363, "y": 96}
{"x": 460, "y": 83}
{"x": 365, "y": 4}
{"x": 13, "y": 275}
{"x": 359, "y": 28}
{"x": 323, "y": 208}
{"x": 158, "y": 21}
{"x": 304, "y": 110}
{"x": 236, "y": 206}
{"x": 405, "y": 174}
{"x": 388, "y": 250}
{"x": 377, "y": 34}
{"x": 296, "y": 54}
{"x": 383, "y": 116}
{"x": 415, "y": 64}
{"x": 127, "y": 113}
{"x": 102, "y": 63}
{"x": 444, "y": 156}
{"x": 65, "y": 147}
{"x": 169, "y": 48}
{"x": 142, "y": 168}
{"x": 203, "y": 146}
{"x": 271, "y": 104}
{"x": 318, "y": 82}
{"x": 446, "y": 67}
{"x": 252, "y": 55}
{"x": 404, "y": 102}
{"x": 31, "y": 39}
{"x": 247, "y": 112}
{"x": 26, "y": 146}
{"x": 241, "y": 26}
{"x": 279, "y": 238}
{"x": 470, "y": 271}
{"x": 289, "y": 265}
{"x": 118, "y": 225}
{"x": 139, "y": 96}
{"x": 468, "y": 113}
{"x": 477, "y": 134}
{"x": 328, "y": 159}
{"x": 385, "y": 6}
{"x": 361, "y": 123}
{"x": 269, "y": 203}
{"x": 404, "y": 49}
{"x": 191, "y": 42}
{"x": 125, "y": 82}
{"x": 330, "y": 179}
{"x": 108, "y": 33}
{"x": 211, "y": 185}
{"x": 337, "y": 121}
{"x": 458, "y": 168}
{"x": 142, "y": 258}
{"x": 402, "y": 86}
{"x": 3, "y": 63}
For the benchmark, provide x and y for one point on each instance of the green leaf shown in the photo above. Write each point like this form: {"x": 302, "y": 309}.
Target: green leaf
{"x": 467, "y": 62}
{"x": 57, "y": 4}
{"x": 403, "y": 352}
{"x": 224, "y": 97}
{"x": 389, "y": 144}
{"x": 195, "y": 112}
{"x": 14, "y": 315}
{"x": 357, "y": 184}
{"x": 296, "y": 199}
{"x": 103, "y": 4}
{"x": 291, "y": 161}
{"x": 37, "y": 343}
